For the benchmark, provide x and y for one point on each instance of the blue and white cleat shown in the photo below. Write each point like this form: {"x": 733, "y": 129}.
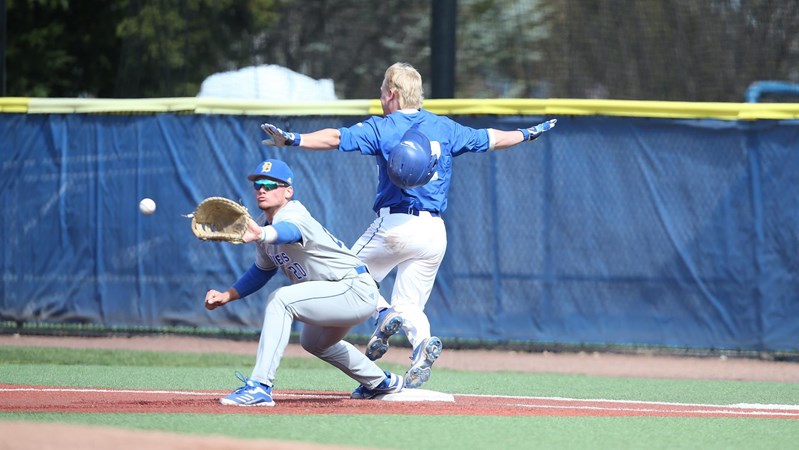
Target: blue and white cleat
{"x": 391, "y": 385}
{"x": 252, "y": 393}
{"x": 388, "y": 324}
{"x": 422, "y": 360}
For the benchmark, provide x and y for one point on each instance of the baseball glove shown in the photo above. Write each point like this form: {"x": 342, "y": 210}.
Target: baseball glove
{"x": 219, "y": 219}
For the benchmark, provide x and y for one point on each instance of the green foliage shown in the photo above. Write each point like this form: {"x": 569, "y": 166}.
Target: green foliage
{"x": 647, "y": 50}
{"x": 28, "y": 36}
{"x": 127, "y": 48}
{"x": 351, "y": 42}
{"x": 176, "y": 47}
{"x": 670, "y": 50}
{"x": 507, "y": 57}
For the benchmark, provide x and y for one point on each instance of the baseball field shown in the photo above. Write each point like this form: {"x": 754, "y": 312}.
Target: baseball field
{"x": 162, "y": 392}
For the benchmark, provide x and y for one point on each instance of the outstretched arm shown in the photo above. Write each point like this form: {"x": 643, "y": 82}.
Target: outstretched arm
{"x": 505, "y": 139}
{"x": 325, "y": 139}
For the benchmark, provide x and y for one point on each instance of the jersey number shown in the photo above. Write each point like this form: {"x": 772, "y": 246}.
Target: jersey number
{"x": 297, "y": 270}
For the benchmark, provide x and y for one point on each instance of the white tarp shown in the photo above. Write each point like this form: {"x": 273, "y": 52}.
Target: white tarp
{"x": 267, "y": 82}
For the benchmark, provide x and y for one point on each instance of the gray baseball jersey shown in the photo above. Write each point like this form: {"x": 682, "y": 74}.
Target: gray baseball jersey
{"x": 331, "y": 292}
{"x": 319, "y": 256}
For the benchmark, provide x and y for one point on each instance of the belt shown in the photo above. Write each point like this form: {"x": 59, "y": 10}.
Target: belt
{"x": 407, "y": 210}
{"x": 360, "y": 270}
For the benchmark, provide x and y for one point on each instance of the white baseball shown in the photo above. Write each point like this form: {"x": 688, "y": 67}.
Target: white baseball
{"x": 147, "y": 206}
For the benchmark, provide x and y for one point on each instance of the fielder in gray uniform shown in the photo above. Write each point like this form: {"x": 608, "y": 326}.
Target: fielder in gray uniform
{"x": 331, "y": 291}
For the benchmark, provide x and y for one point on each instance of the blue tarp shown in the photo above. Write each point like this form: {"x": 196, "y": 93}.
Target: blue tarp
{"x": 607, "y": 230}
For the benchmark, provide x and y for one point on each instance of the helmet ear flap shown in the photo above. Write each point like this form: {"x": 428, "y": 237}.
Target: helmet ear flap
{"x": 412, "y": 163}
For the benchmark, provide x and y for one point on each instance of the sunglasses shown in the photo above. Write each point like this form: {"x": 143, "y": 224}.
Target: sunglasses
{"x": 269, "y": 185}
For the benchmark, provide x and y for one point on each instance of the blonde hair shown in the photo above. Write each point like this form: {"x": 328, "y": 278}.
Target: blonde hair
{"x": 406, "y": 81}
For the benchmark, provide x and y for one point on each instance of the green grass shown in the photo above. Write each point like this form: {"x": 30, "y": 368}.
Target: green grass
{"x": 463, "y": 432}
{"x": 190, "y": 371}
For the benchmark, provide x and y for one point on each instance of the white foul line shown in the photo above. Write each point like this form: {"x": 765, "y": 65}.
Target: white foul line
{"x": 639, "y": 402}
{"x": 662, "y": 411}
{"x": 110, "y": 391}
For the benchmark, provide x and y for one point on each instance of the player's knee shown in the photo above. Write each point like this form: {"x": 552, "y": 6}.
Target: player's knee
{"x": 311, "y": 345}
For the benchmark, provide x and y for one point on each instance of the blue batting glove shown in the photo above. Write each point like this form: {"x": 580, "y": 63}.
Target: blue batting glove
{"x": 532, "y": 133}
{"x": 278, "y": 137}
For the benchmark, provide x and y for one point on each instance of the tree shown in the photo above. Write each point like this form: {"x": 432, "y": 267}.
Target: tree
{"x": 670, "y": 49}
{"x": 683, "y": 50}
{"x": 128, "y": 48}
{"x": 169, "y": 47}
{"x": 350, "y": 41}
{"x": 499, "y": 48}
{"x": 58, "y": 49}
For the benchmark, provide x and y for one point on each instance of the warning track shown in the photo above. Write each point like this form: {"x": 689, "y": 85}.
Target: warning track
{"x": 15, "y": 398}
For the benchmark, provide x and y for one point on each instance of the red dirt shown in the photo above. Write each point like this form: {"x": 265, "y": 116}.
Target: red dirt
{"x": 73, "y": 400}
{"x": 32, "y": 399}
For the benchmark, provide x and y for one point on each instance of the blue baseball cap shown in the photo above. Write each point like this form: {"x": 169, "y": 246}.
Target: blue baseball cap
{"x": 274, "y": 169}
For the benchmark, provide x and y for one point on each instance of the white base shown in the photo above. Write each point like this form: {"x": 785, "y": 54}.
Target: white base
{"x": 417, "y": 395}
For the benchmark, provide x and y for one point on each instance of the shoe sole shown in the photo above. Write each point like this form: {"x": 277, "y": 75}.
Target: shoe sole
{"x": 419, "y": 375}
{"x": 378, "y": 344}
{"x": 232, "y": 403}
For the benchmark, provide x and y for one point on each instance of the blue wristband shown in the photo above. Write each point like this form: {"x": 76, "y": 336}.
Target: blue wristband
{"x": 525, "y": 134}
{"x": 293, "y": 139}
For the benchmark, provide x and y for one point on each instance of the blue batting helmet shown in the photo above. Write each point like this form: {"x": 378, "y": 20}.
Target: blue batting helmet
{"x": 412, "y": 162}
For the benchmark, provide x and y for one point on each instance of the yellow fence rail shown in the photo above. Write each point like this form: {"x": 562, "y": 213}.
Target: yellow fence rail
{"x": 525, "y": 107}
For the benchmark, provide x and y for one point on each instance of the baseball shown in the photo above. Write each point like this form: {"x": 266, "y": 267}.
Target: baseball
{"x": 147, "y": 206}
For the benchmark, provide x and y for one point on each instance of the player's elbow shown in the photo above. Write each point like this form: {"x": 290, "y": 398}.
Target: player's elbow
{"x": 327, "y": 139}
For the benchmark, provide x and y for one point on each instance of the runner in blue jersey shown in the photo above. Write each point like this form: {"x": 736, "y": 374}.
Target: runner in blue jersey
{"x": 409, "y": 233}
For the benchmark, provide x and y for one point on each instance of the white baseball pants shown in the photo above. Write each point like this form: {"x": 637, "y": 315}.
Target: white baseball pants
{"x": 415, "y": 245}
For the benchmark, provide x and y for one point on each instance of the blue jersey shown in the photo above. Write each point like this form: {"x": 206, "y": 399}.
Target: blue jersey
{"x": 376, "y": 136}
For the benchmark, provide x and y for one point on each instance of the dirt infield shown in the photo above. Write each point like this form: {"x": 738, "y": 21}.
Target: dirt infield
{"x": 77, "y": 400}
{"x": 32, "y": 399}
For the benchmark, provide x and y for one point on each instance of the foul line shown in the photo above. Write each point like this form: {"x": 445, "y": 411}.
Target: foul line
{"x": 639, "y": 402}
{"x": 664, "y": 411}
{"x": 109, "y": 391}
{"x": 154, "y": 392}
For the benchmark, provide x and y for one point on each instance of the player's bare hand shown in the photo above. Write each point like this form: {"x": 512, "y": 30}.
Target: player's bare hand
{"x": 253, "y": 232}
{"x": 215, "y": 299}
